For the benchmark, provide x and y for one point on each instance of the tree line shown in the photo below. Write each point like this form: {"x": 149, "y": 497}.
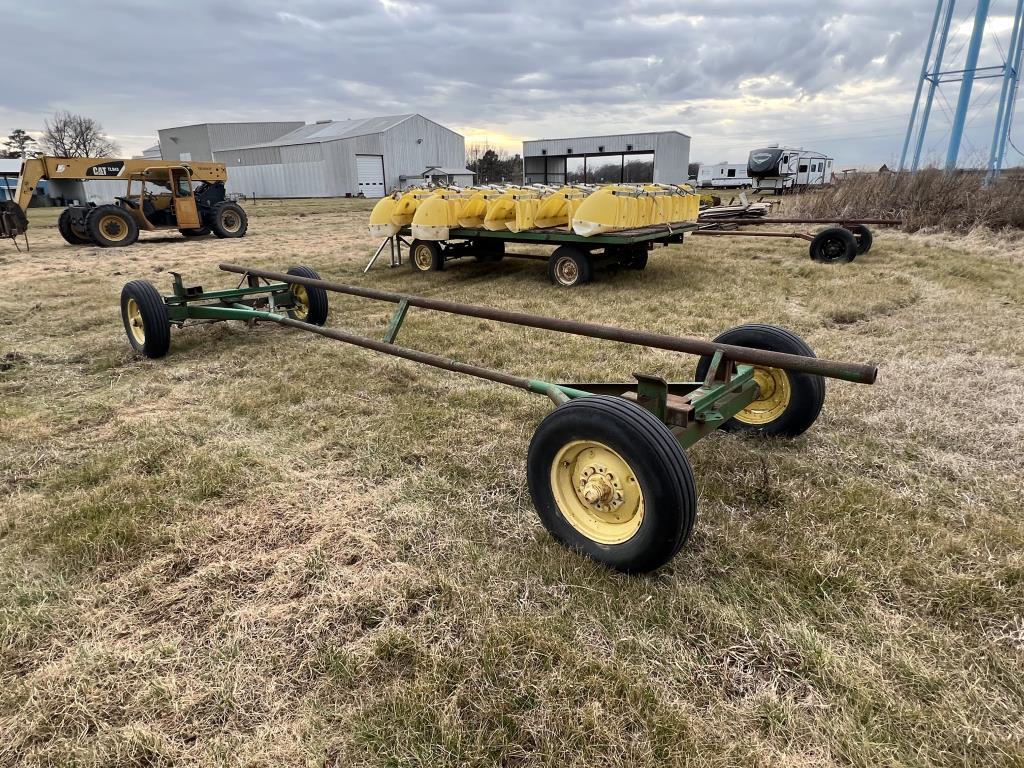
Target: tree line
{"x": 64, "y": 135}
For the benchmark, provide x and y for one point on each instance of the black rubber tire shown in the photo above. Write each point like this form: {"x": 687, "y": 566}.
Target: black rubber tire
{"x": 98, "y": 225}
{"x": 155, "y": 324}
{"x": 318, "y": 303}
{"x": 637, "y": 259}
{"x": 68, "y": 232}
{"x": 863, "y": 236}
{"x": 834, "y": 245}
{"x": 488, "y": 250}
{"x": 570, "y": 266}
{"x": 429, "y": 252}
{"x": 658, "y": 461}
{"x": 228, "y": 219}
{"x": 807, "y": 390}
{"x": 201, "y": 232}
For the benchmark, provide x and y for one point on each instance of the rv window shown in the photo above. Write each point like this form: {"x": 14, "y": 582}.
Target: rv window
{"x": 803, "y": 168}
{"x": 785, "y": 158}
{"x": 732, "y": 173}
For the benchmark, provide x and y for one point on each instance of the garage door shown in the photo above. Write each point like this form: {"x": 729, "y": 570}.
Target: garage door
{"x": 371, "y": 175}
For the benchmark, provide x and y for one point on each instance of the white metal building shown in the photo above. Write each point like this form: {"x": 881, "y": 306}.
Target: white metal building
{"x": 199, "y": 142}
{"x": 342, "y": 158}
{"x": 660, "y": 157}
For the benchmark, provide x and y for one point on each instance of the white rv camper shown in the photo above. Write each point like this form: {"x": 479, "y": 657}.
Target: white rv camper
{"x": 776, "y": 169}
{"x": 725, "y": 175}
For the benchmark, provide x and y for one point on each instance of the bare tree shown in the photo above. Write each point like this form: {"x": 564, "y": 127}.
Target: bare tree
{"x": 70, "y": 135}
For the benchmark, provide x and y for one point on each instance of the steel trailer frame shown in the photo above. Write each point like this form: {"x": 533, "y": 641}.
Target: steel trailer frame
{"x": 730, "y": 227}
{"x": 688, "y": 410}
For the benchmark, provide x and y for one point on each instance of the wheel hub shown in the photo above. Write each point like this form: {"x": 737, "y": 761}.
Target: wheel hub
{"x": 597, "y": 492}
{"x": 135, "y": 325}
{"x": 567, "y": 271}
{"x": 424, "y": 259}
{"x": 773, "y": 395}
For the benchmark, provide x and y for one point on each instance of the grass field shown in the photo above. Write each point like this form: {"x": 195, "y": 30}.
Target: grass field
{"x": 272, "y": 549}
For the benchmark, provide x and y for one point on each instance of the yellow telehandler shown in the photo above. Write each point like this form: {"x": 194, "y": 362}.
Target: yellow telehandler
{"x": 160, "y": 195}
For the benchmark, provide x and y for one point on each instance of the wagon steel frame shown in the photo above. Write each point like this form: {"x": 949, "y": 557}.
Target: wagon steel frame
{"x": 688, "y": 410}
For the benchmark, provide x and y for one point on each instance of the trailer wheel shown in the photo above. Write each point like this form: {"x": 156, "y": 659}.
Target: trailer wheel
{"x": 144, "y": 315}
{"x": 637, "y": 259}
{"x": 488, "y": 250}
{"x": 569, "y": 266}
{"x": 788, "y": 402}
{"x": 310, "y": 302}
{"x": 228, "y": 220}
{"x": 68, "y": 231}
{"x": 426, "y": 256}
{"x": 834, "y": 246}
{"x": 608, "y": 479}
{"x": 111, "y": 227}
{"x": 200, "y": 232}
{"x": 863, "y": 236}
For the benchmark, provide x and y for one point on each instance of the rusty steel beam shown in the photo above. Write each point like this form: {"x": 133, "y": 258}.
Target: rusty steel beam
{"x": 737, "y": 233}
{"x": 772, "y": 220}
{"x": 856, "y": 372}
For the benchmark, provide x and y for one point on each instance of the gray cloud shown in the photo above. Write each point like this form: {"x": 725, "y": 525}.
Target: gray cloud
{"x": 837, "y": 75}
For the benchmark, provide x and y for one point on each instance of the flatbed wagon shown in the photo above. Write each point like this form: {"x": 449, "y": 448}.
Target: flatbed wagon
{"x": 842, "y": 242}
{"x": 571, "y": 263}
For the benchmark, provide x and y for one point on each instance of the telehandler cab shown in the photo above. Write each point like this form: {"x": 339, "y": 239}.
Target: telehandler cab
{"x": 160, "y": 195}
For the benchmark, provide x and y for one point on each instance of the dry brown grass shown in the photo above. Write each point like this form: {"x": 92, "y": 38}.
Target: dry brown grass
{"x": 927, "y": 200}
{"x": 273, "y": 549}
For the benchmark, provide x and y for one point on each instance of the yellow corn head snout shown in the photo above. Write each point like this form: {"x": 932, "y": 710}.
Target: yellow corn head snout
{"x": 587, "y": 211}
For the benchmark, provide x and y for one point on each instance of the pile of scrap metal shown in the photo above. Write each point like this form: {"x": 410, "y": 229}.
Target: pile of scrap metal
{"x": 586, "y": 210}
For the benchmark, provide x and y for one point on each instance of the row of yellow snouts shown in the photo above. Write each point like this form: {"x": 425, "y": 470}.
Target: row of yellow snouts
{"x": 431, "y": 213}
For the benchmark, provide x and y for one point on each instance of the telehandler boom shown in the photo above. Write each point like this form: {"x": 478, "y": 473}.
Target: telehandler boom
{"x": 159, "y": 195}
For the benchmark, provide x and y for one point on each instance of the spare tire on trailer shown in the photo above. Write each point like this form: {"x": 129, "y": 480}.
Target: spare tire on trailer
{"x": 488, "y": 249}
{"x": 111, "y": 227}
{"x": 68, "y": 231}
{"x": 228, "y": 219}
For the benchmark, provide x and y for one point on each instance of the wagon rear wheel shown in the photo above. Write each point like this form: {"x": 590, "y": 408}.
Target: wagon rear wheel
{"x": 311, "y": 304}
{"x": 608, "y": 479}
{"x": 834, "y": 246}
{"x": 863, "y": 236}
{"x": 788, "y": 403}
{"x": 144, "y": 315}
{"x": 569, "y": 267}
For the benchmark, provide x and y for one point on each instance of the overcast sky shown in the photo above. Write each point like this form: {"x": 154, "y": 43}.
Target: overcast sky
{"x": 836, "y": 76}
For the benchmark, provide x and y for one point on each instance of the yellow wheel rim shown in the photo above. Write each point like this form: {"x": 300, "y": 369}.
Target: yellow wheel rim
{"x": 597, "y": 492}
{"x": 773, "y": 395}
{"x": 423, "y": 257}
{"x": 113, "y": 227}
{"x": 135, "y": 326}
{"x": 230, "y": 221}
{"x": 301, "y": 296}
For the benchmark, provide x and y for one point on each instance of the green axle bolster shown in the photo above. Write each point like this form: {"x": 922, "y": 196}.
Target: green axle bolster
{"x": 228, "y": 293}
{"x": 235, "y": 312}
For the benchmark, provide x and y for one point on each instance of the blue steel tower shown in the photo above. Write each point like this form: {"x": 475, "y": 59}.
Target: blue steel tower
{"x": 933, "y": 74}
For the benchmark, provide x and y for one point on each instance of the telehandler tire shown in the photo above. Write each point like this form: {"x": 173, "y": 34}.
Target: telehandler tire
{"x": 228, "y": 220}
{"x": 68, "y": 232}
{"x": 111, "y": 227}
{"x": 200, "y": 232}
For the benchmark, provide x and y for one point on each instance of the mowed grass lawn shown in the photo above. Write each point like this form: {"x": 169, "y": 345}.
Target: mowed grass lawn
{"x": 273, "y": 549}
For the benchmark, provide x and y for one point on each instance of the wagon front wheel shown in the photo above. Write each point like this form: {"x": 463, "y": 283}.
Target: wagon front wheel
{"x": 609, "y": 479}
{"x": 787, "y": 402}
{"x": 144, "y": 315}
{"x": 310, "y": 302}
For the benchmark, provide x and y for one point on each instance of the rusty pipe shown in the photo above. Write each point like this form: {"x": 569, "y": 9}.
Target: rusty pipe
{"x": 859, "y": 373}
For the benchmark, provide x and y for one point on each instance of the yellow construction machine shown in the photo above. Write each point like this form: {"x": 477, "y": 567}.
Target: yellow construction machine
{"x": 159, "y": 195}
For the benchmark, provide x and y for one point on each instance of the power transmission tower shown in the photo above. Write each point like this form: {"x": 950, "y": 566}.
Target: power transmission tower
{"x": 932, "y": 75}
